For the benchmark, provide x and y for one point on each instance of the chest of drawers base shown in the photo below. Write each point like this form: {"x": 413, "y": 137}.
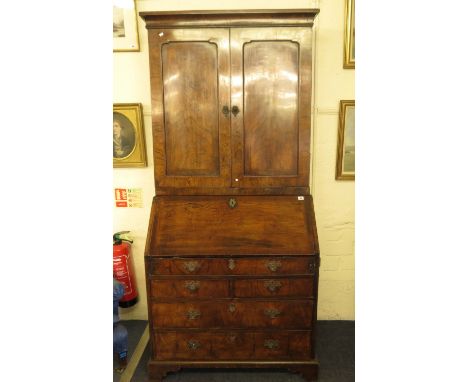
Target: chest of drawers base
{"x": 232, "y": 286}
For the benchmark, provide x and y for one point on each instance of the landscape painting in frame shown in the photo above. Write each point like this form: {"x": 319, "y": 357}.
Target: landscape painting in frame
{"x": 345, "y": 160}
{"x": 125, "y": 26}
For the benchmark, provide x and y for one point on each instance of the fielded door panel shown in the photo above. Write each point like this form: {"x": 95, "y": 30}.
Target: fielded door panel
{"x": 191, "y": 134}
{"x": 270, "y": 104}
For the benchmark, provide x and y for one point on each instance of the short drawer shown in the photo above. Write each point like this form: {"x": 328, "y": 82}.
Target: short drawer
{"x": 233, "y": 314}
{"x": 238, "y": 345}
{"x": 189, "y": 288}
{"x": 280, "y": 287}
{"x": 203, "y": 345}
{"x": 270, "y": 265}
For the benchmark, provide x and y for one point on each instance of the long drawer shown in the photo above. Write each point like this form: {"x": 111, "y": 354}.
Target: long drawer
{"x": 218, "y": 288}
{"x": 233, "y": 314}
{"x": 170, "y": 345}
{"x": 268, "y": 266}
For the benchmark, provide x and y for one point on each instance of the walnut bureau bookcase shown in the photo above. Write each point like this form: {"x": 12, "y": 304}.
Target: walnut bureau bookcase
{"x": 232, "y": 254}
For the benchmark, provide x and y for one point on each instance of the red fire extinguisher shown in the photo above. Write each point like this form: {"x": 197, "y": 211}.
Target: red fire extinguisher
{"x": 123, "y": 268}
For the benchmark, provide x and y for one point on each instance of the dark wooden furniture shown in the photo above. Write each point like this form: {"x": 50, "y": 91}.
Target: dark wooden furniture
{"x": 232, "y": 253}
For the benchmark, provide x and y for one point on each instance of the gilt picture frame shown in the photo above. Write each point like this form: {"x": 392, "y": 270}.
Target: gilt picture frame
{"x": 345, "y": 157}
{"x": 125, "y": 26}
{"x": 129, "y": 148}
{"x": 349, "y": 37}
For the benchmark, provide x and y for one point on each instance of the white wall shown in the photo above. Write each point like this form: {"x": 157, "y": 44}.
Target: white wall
{"x": 334, "y": 200}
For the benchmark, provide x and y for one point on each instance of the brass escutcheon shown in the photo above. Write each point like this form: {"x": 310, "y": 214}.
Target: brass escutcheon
{"x": 273, "y": 285}
{"x": 272, "y": 313}
{"x": 192, "y": 286}
{"x": 231, "y": 264}
{"x": 232, "y": 202}
{"x": 232, "y": 308}
{"x": 192, "y": 266}
{"x": 194, "y": 345}
{"x": 273, "y": 265}
{"x": 271, "y": 344}
{"x": 193, "y": 314}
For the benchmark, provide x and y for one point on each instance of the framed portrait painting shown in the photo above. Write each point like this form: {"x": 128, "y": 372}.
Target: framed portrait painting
{"x": 125, "y": 26}
{"x": 345, "y": 163}
{"x": 128, "y": 135}
{"x": 349, "y": 38}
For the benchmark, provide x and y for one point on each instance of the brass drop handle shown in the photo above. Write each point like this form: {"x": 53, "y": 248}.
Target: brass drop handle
{"x": 273, "y": 285}
{"x": 226, "y": 110}
{"x": 232, "y": 308}
{"x": 272, "y": 313}
{"x": 273, "y": 265}
{"x": 191, "y": 266}
{"x": 193, "y": 314}
{"x": 192, "y": 286}
{"x": 231, "y": 264}
{"x": 235, "y": 110}
{"x": 271, "y": 344}
{"x": 193, "y": 345}
{"x": 232, "y": 203}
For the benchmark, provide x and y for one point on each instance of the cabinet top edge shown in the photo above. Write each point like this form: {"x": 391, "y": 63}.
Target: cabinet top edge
{"x": 239, "y": 17}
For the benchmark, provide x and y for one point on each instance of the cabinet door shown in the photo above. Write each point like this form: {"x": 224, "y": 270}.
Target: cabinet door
{"x": 271, "y": 88}
{"x": 190, "y": 81}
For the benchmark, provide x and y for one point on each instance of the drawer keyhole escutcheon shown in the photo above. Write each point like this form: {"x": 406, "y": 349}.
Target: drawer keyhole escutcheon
{"x": 193, "y": 314}
{"x": 191, "y": 266}
{"x": 273, "y": 285}
{"x": 273, "y": 265}
{"x": 232, "y": 308}
{"x": 271, "y": 344}
{"x": 193, "y": 345}
{"x": 192, "y": 286}
{"x": 231, "y": 264}
{"x": 272, "y": 313}
{"x": 232, "y": 203}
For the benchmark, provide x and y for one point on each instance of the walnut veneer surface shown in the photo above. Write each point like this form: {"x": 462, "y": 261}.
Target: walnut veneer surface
{"x": 232, "y": 253}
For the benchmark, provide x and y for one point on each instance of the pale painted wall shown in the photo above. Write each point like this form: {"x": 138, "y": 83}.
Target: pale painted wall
{"x": 334, "y": 200}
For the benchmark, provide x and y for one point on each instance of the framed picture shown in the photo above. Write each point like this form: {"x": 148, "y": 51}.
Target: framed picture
{"x": 125, "y": 26}
{"x": 128, "y": 133}
{"x": 346, "y": 146}
{"x": 349, "y": 41}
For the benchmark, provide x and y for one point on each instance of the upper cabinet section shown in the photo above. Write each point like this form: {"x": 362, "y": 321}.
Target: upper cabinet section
{"x": 231, "y": 101}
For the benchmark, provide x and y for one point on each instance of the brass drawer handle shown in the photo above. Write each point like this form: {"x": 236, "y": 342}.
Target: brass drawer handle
{"x": 271, "y": 344}
{"x": 272, "y": 313}
{"x": 192, "y": 286}
{"x": 273, "y": 285}
{"x": 193, "y": 314}
{"x": 193, "y": 345}
{"x": 191, "y": 266}
{"x": 273, "y": 265}
{"x": 232, "y": 203}
{"x": 231, "y": 264}
{"x": 232, "y": 308}
{"x": 226, "y": 110}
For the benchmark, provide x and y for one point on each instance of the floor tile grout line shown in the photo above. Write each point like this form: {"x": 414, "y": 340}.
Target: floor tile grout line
{"x": 135, "y": 359}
